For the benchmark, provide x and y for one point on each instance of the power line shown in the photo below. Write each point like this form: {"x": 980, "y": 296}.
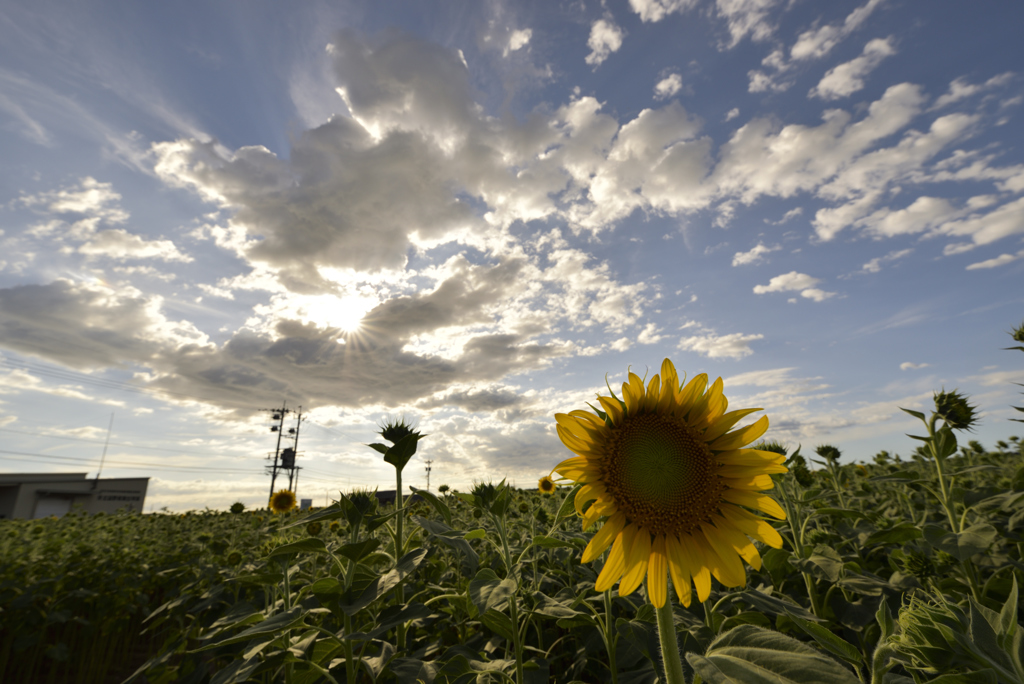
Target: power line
{"x": 26, "y": 455}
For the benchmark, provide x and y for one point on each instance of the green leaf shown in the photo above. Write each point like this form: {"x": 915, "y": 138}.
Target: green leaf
{"x": 567, "y": 509}
{"x": 438, "y": 505}
{"x": 402, "y": 451}
{"x": 900, "y": 533}
{"x": 830, "y": 642}
{"x": 307, "y": 545}
{"x": 487, "y": 590}
{"x": 381, "y": 585}
{"x": 885, "y": 621}
{"x": 774, "y": 605}
{"x": 843, "y": 512}
{"x": 327, "y": 586}
{"x": 274, "y": 625}
{"x": 975, "y": 539}
{"x": 357, "y": 551}
{"x": 552, "y": 608}
{"x": 498, "y": 622}
{"x": 753, "y": 655}
{"x": 916, "y": 414}
{"x": 475, "y": 534}
{"x": 776, "y": 562}
{"x": 1008, "y": 615}
{"x": 823, "y": 563}
{"x": 452, "y": 538}
{"x": 986, "y": 676}
{"x": 865, "y": 584}
{"x": 381, "y": 448}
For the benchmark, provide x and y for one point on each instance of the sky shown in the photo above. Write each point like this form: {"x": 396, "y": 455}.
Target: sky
{"x": 469, "y": 213}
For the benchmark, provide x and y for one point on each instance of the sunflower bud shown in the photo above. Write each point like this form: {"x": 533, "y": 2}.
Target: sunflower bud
{"x": 952, "y": 407}
{"x": 237, "y": 507}
{"x": 314, "y": 528}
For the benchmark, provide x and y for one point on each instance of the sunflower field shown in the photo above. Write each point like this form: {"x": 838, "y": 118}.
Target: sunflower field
{"x": 896, "y": 571}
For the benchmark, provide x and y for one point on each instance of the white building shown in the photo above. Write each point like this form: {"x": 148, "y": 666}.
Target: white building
{"x": 38, "y": 495}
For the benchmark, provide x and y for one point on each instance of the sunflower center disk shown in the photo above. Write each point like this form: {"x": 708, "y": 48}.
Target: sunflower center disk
{"x": 661, "y": 474}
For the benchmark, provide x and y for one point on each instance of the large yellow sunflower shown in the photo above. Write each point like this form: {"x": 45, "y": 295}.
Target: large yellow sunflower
{"x": 672, "y": 484}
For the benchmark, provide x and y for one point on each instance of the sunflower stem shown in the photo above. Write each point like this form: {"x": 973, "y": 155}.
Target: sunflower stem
{"x": 610, "y": 641}
{"x": 669, "y": 644}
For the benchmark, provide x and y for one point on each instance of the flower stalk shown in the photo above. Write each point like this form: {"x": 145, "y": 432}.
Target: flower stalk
{"x": 669, "y": 643}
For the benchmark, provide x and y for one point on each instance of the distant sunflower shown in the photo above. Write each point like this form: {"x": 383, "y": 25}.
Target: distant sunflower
{"x": 282, "y": 501}
{"x": 672, "y": 484}
{"x": 546, "y": 485}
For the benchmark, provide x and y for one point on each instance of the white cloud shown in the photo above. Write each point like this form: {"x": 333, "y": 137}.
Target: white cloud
{"x": 924, "y": 213}
{"x": 656, "y": 10}
{"x": 732, "y": 113}
{"x": 907, "y": 365}
{"x": 89, "y": 199}
{"x": 996, "y": 262}
{"x": 754, "y": 256}
{"x": 622, "y": 344}
{"x": 960, "y": 89}
{"x": 817, "y": 43}
{"x": 650, "y": 334}
{"x": 795, "y": 282}
{"x": 848, "y": 78}
{"x": 605, "y": 38}
{"x": 120, "y": 244}
{"x": 985, "y": 228}
{"x": 875, "y": 265}
{"x": 518, "y": 39}
{"x": 760, "y": 159}
{"x": 746, "y": 17}
{"x": 733, "y": 346}
{"x": 812, "y": 44}
{"x": 668, "y": 86}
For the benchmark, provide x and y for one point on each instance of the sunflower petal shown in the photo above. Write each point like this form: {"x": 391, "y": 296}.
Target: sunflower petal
{"x": 579, "y": 429}
{"x": 573, "y": 442}
{"x": 726, "y": 565}
{"x": 723, "y": 424}
{"x": 605, "y": 536}
{"x": 653, "y": 393}
{"x": 689, "y": 395}
{"x": 738, "y": 438}
{"x": 592, "y": 423}
{"x": 657, "y": 573}
{"x": 750, "y": 457}
{"x": 741, "y": 471}
{"x": 760, "y": 502}
{"x": 615, "y": 564}
{"x": 669, "y": 379}
{"x": 637, "y": 559}
{"x": 588, "y": 492}
{"x": 751, "y": 525}
{"x": 679, "y": 569}
{"x": 754, "y": 482}
{"x": 578, "y": 469}
{"x": 696, "y": 561}
{"x": 598, "y": 510}
{"x": 739, "y": 541}
{"x": 612, "y": 407}
{"x": 633, "y": 394}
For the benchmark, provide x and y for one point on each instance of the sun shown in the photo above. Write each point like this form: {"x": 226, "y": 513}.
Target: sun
{"x": 345, "y": 313}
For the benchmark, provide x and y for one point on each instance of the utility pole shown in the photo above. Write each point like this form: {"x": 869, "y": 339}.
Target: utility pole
{"x": 276, "y": 415}
{"x": 428, "y": 475}
{"x": 290, "y": 453}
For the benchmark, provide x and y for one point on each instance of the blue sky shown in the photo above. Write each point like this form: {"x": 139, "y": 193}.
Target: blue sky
{"x": 469, "y": 213}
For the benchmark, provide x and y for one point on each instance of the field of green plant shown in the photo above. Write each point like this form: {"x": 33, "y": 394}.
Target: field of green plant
{"x": 896, "y": 571}
{"x": 875, "y": 583}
